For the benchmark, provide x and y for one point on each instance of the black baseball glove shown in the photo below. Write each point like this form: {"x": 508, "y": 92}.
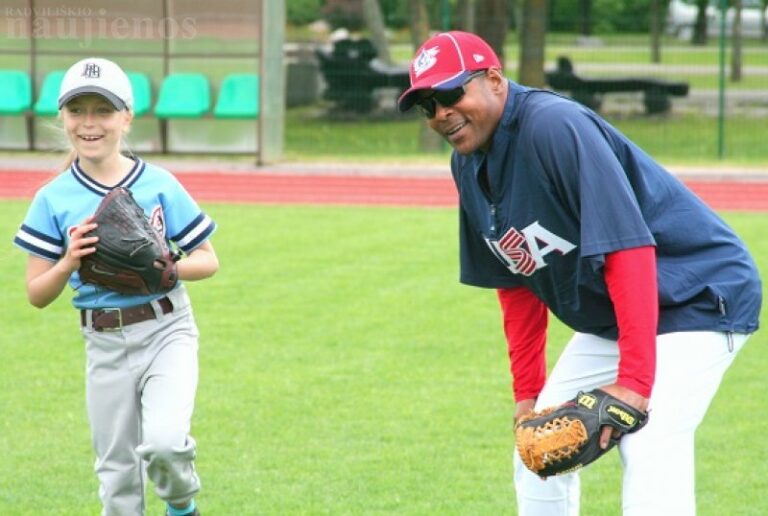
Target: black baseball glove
{"x": 562, "y": 439}
{"x": 131, "y": 256}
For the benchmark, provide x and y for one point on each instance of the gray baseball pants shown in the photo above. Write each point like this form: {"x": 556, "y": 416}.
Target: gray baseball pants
{"x": 140, "y": 392}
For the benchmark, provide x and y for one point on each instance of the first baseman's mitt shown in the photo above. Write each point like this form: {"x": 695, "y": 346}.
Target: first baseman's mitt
{"x": 131, "y": 256}
{"x": 562, "y": 439}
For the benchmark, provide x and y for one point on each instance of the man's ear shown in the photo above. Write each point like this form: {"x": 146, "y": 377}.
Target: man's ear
{"x": 496, "y": 80}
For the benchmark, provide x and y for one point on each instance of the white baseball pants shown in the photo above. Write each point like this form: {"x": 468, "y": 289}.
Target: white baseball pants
{"x": 140, "y": 392}
{"x": 659, "y": 459}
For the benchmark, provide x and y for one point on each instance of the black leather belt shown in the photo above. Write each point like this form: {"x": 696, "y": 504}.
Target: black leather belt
{"x": 113, "y": 319}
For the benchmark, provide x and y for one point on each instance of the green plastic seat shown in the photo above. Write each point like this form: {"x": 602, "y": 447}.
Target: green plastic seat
{"x": 142, "y": 92}
{"x": 183, "y": 95}
{"x": 238, "y": 97}
{"x": 48, "y": 100}
{"x": 17, "y": 92}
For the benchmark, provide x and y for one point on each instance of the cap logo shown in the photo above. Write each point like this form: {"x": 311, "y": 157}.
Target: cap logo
{"x": 92, "y": 71}
{"x": 479, "y": 58}
{"x": 425, "y": 60}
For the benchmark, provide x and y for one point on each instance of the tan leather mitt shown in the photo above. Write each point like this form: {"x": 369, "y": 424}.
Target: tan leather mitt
{"x": 562, "y": 439}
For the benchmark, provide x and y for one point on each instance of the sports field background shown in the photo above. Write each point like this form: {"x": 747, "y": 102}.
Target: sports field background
{"x": 343, "y": 371}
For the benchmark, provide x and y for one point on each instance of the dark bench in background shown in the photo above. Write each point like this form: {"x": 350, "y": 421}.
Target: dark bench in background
{"x": 352, "y": 73}
{"x": 656, "y": 92}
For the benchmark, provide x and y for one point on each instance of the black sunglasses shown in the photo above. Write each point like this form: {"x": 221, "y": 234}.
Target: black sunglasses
{"x": 446, "y": 98}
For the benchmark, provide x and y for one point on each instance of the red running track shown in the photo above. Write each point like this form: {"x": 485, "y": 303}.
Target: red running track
{"x": 272, "y": 188}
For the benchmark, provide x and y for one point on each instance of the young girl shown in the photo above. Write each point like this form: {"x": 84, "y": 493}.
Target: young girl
{"x": 141, "y": 350}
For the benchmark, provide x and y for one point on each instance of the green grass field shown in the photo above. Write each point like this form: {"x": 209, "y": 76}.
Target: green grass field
{"x": 343, "y": 371}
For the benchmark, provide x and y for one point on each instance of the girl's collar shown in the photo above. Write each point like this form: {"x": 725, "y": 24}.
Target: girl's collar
{"x": 100, "y": 188}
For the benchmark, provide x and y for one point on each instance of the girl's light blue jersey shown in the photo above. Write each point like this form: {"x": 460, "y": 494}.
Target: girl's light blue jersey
{"x": 71, "y": 197}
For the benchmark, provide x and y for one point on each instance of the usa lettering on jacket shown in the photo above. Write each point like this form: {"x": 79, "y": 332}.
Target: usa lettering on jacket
{"x": 523, "y": 251}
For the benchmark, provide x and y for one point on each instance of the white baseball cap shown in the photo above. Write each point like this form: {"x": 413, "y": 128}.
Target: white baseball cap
{"x": 99, "y": 76}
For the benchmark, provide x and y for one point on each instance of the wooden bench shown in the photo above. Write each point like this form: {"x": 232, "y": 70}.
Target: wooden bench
{"x": 352, "y": 73}
{"x": 588, "y": 91}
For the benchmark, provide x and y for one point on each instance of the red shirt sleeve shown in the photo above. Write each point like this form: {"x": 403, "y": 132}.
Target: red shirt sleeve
{"x": 630, "y": 275}
{"x": 525, "y": 326}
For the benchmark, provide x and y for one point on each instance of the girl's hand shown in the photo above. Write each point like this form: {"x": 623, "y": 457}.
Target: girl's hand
{"x": 79, "y": 245}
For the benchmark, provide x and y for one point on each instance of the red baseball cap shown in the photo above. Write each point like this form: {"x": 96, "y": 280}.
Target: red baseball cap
{"x": 444, "y": 62}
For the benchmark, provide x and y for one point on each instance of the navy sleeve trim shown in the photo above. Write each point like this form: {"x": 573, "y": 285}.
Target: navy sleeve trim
{"x": 202, "y": 237}
{"x": 42, "y": 236}
{"x": 197, "y": 220}
{"x": 36, "y": 250}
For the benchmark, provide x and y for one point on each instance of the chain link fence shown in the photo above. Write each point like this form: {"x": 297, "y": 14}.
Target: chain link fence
{"x": 720, "y": 117}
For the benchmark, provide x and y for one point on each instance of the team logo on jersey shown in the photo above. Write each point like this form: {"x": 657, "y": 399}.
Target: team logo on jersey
{"x": 523, "y": 251}
{"x": 425, "y": 60}
{"x": 157, "y": 220}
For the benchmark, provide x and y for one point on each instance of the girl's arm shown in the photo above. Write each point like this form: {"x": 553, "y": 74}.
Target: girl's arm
{"x": 199, "y": 264}
{"x": 45, "y": 279}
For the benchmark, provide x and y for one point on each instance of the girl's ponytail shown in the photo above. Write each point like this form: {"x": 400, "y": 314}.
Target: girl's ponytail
{"x": 69, "y": 159}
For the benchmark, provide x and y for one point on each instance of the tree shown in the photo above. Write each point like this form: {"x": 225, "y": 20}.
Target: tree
{"x": 465, "y": 15}
{"x": 736, "y": 42}
{"x": 585, "y": 17}
{"x": 375, "y": 22}
{"x": 419, "y": 23}
{"x": 492, "y": 23}
{"x": 533, "y": 28}
{"x": 429, "y": 141}
{"x": 763, "y": 20}
{"x": 655, "y": 31}
{"x": 700, "y": 27}
{"x": 343, "y": 13}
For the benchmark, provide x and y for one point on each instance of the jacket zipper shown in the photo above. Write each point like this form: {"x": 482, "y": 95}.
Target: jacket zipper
{"x": 722, "y": 309}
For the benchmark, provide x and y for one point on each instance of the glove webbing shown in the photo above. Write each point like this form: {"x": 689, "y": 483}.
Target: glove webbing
{"x": 556, "y": 440}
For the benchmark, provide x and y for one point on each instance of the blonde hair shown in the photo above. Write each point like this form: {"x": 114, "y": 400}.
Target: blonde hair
{"x": 69, "y": 159}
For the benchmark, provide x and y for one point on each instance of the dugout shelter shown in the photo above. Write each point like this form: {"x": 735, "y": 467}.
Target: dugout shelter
{"x": 208, "y": 77}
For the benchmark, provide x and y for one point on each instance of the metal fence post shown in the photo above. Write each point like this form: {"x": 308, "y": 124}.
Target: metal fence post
{"x": 721, "y": 88}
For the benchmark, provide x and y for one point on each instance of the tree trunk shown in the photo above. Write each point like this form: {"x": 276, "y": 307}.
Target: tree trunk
{"x": 763, "y": 20}
{"x": 516, "y": 7}
{"x": 655, "y": 32}
{"x": 375, "y": 22}
{"x": 736, "y": 42}
{"x": 419, "y": 23}
{"x": 429, "y": 140}
{"x": 465, "y": 15}
{"x": 492, "y": 23}
{"x": 585, "y": 17}
{"x": 533, "y": 28}
{"x": 700, "y": 27}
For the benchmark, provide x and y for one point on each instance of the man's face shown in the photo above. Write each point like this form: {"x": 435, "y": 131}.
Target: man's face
{"x": 469, "y": 124}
